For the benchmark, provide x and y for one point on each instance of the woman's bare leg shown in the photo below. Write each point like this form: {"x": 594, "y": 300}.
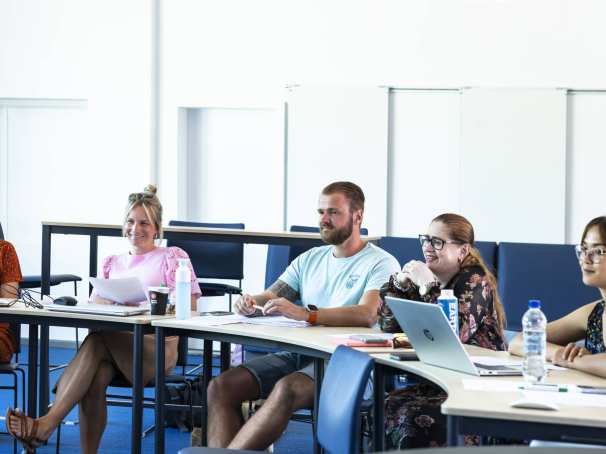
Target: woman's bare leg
{"x": 73, "y": 386}
{"x": 93, "y": 409}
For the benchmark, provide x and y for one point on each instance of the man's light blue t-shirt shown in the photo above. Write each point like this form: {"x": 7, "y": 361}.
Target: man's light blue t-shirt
{"x": 326, "y": 281}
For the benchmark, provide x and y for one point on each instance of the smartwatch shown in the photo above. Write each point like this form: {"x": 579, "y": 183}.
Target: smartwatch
{"x": 313, "y": 314}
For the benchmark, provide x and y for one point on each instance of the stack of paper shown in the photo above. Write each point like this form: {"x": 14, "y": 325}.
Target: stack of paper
{"x": 218, "y": 320}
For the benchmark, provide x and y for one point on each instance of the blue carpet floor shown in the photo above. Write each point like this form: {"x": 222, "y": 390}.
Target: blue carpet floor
{"x": 116, "y": 439}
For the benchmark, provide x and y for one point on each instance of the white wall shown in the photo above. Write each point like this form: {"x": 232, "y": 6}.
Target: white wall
{"x": 75, "y": 113}
{"x": 241, "y": 54}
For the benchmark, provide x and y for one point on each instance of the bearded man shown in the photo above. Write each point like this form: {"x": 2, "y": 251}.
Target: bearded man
{"x": 338, "y": 285}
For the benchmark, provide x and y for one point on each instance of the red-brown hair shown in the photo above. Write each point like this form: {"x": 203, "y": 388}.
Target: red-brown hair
{"x": 460, "y": 229}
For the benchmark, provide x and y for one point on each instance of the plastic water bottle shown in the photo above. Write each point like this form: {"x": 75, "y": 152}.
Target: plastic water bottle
{"x": 183, "y": 290}
{"x": 535, "y": 342}
{"x": 450, "y": 306}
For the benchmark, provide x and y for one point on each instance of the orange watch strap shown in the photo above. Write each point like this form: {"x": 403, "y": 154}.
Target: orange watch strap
{"x": 313, "y": 317}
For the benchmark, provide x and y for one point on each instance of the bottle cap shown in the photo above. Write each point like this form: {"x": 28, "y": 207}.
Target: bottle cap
{"x": 534, "y": 304}
{"x": 447, "y": 293}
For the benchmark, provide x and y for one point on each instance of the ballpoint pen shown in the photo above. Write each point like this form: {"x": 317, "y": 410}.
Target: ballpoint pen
{"x": 545, "y": 387}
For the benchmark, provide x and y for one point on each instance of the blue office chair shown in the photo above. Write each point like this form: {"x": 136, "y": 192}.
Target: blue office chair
{"x": 214, "y": 260}
{"x": 549, "y": 272}
{"x": 339, "y": 420}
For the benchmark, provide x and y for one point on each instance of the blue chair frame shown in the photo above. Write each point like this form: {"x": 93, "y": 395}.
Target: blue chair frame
{"x": 213, "y": 260}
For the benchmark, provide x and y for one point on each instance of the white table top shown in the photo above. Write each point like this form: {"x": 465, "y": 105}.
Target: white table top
{"x": 21, "y": 309}
{"x": 491, "y": 404}
{"x": 319, "y": 338}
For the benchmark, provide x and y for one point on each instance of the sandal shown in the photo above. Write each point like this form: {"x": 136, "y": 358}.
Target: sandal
{"x": 28, "y": 438}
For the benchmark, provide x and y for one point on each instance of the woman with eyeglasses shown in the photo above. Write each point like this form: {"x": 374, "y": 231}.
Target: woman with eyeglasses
{"x": 105, "y": 355}
{"x": 412, "y": 414}
{"x": 10, "y": 276}
{"x": 585, "y": 323}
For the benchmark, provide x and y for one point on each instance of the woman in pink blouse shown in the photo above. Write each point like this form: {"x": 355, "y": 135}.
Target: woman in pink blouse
{"x": 107, "y": 354}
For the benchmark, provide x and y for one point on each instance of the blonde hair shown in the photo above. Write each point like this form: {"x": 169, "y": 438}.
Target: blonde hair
{"x": 150, "y": 203}
{"x": 461, "y": 230}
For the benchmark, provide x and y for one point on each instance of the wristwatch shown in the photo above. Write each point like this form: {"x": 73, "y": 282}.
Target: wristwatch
{"x": 313, "y": 314}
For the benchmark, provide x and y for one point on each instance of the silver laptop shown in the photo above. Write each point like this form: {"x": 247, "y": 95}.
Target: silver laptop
{"x": 99, "y": 309}
{"x": 435, "y": 342}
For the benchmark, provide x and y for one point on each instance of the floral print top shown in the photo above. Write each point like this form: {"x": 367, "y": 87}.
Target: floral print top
{"x": 594, "y": 339}
{"x": 478, "y": 319}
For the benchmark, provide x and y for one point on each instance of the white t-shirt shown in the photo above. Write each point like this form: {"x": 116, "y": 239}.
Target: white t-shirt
{"x": 326, "y": 281}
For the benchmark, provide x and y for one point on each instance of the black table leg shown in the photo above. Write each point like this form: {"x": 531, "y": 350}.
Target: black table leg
{"x": 225, "y": 356}
{"x": 379, "y": 408}
{"x": 46, "y": 261}
{"x": 32, "y": 371}
{"x": 93, "y": 244}
{"x": 44, "y": 372}
{"x": 160, "y": 355}
{"x": 453, "y": 430}
{"x": 207, "y": 360}
{"x": 319, "y": 376}
{"x": 137, "y": 415}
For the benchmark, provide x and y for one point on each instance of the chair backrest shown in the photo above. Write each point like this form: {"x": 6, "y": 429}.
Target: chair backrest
{"x": 339, "y": 421}
{"x": 406, "y": 249}
{"x": 549, "y": 272}
{"x": 403, "y": 249}
{"x": 212, "y": 260}
{"x": 489, "y": 252}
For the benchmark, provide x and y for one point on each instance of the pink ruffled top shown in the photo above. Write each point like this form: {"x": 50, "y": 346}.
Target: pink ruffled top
{"x": 154, "y": 268}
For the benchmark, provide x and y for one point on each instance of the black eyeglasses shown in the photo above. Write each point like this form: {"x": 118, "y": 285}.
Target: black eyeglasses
{"x": 594, "y": 254}
{"x": 436, "y": 243}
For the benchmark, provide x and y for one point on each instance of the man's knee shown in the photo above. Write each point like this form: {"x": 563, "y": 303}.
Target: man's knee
{"x": 233, "y": 387}
{"x": 296, "y": 390}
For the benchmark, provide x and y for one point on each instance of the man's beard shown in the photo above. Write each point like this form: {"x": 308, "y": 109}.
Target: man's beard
{"x": 337, "y": 236}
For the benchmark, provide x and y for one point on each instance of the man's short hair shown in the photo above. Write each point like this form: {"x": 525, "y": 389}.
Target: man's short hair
{"x": 351, "y": 191}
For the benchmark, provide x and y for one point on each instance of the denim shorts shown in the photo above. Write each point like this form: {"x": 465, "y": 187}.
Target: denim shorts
{"x": 268, "y": 369}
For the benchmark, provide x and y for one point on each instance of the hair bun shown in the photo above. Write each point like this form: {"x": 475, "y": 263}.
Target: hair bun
{"x": 150, "y": 188}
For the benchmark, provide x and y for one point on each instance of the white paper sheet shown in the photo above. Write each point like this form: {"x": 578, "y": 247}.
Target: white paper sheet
{"x": 218, "y": 320}
{"x": 568, "y": 398}
{"x": 279, "y": 320}
{"x": 511, "y": 362}
{"x": 121, "y": 291}
{"x": 490, "y": 384}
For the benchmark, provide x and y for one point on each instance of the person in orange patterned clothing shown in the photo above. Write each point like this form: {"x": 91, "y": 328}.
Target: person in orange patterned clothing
{"x": 10, "y": 276}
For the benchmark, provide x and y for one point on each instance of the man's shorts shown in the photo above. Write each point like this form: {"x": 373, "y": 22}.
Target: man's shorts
{"x": 268, "y": 369}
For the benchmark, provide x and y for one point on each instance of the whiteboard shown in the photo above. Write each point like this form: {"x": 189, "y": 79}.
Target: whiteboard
{"x": 513, "y": 163}
{"x": 424, "y": 160}
{"x": 586, "y": 159}
{"x": 336, "y": 133}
